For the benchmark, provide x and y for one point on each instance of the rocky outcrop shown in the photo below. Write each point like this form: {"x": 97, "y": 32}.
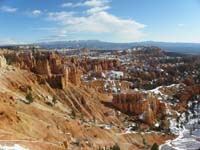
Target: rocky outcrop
{"x": 106, "y": 86}
{"x": 2, "y": 61}
{"x": 74, "y": 75}
{"x": 42, "y": 67}
{"x": 187, "y": 94}
{"x": 148, "y": 50}
{"x": 56, "y": 70}
{"x": 136, "y": 103}
{"x": 100, "y": 64}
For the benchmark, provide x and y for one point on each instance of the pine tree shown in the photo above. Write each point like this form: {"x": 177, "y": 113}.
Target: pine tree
{"x": 54, "y": 99}
{"x": 29, "y": 97}
{"x": 155, "y": 147}
{"x": 73, "y": 114}
{"x": 116, "y": 147}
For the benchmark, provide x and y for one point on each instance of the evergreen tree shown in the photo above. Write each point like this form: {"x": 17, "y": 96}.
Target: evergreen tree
{"x": 116, "y": 147}
{"x": 54, "y": 99}
{"x": 29, "y": 97}
{"x": 155, "y": 147}
{"x": 73, "y": 114}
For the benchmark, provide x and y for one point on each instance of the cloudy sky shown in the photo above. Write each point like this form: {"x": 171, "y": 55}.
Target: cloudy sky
{"x": 28, "y": 21}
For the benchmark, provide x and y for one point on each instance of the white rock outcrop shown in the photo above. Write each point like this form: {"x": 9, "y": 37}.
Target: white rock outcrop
{"x": 2, "y": 61}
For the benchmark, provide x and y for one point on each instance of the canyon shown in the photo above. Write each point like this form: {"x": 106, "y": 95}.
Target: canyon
{"x": 55, "y": 101}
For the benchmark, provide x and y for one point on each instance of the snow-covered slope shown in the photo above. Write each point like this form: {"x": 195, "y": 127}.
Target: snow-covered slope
{"x": 189, "y": 134}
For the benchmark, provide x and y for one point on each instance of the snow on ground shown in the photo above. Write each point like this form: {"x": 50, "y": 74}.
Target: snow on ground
{"x": 167, "y": 109}
{"x": 184, "y": 141}
{"x": 129, "y": 131}
{"x": 115, "y": 74}
{"x": 15, "y": 147}
{"x": 142, "y": 116}
{"x": 105, "y": 126}
{"x": 156, "y": 91}
{"x": 159, "y": 93}
{"x": 189, "y": 135}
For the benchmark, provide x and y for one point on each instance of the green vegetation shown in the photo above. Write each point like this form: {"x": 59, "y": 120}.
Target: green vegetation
{"x": 54, "y": 100}
{"x": 29, "y": 97}
{"x": 49, "y": 103}
{"x": 116, "y": 147}
{"x": 149, "y": 86}
{"x": 9, "y": 61}
{"x": 155, "y": 147}
{"x": 73, "y": 114}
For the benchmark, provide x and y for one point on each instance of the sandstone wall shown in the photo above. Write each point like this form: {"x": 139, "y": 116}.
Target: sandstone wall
{"x": 137, "y": 104}
{"x": 57, "y": 70}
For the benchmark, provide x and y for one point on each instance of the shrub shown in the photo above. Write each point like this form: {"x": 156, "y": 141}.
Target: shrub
{"x": 155, "y": 147}
{"x": 49, "y": 103}
{"x": 29, "y": 97}
{"x": 54, "y": 99}
{"x": 116, "y": 147}
{"x": 144, "y": 141}
{"x": 149, "y": 87}
{"x": 73, "y": 114}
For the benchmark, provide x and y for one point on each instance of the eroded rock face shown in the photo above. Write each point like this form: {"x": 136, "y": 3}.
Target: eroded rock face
{"x": 74, "y": 75}
{"x": 102, "y": 85}
{"x": 2, "y": 61}
{"x": 43, "y": 67}
{"x": 188, "y": 93}
{"x": 56, "y": 70}
{"x": 137, "y": 104}
{"x": 99, "y": 64}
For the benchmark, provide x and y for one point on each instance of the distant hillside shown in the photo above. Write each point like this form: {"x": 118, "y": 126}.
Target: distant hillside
{"x": 186, "y": 48}
{"x": 190, "y": 48}
{"x": 92, "y": 44}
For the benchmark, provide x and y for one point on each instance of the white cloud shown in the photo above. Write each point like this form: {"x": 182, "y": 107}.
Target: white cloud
{"x": 8, "y": 9}
{"x": 59, "y": 16}
{"x": 89, "y": 3}
{"x": 67, "y": 5}
{"x": 96, "y": 22}
{"x": 36, "y": 12}
{"x": 71, "y": 4}
{"x": 96, "y": 3}
{"x": 97, "y": 9}
{"x": 8, "y": 42}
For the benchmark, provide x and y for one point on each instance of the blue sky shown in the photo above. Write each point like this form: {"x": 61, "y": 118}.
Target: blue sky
{"x": 30, "y": 21}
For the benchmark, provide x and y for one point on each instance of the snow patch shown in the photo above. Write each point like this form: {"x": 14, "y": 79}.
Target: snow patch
{"x": 15, "y": 147}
